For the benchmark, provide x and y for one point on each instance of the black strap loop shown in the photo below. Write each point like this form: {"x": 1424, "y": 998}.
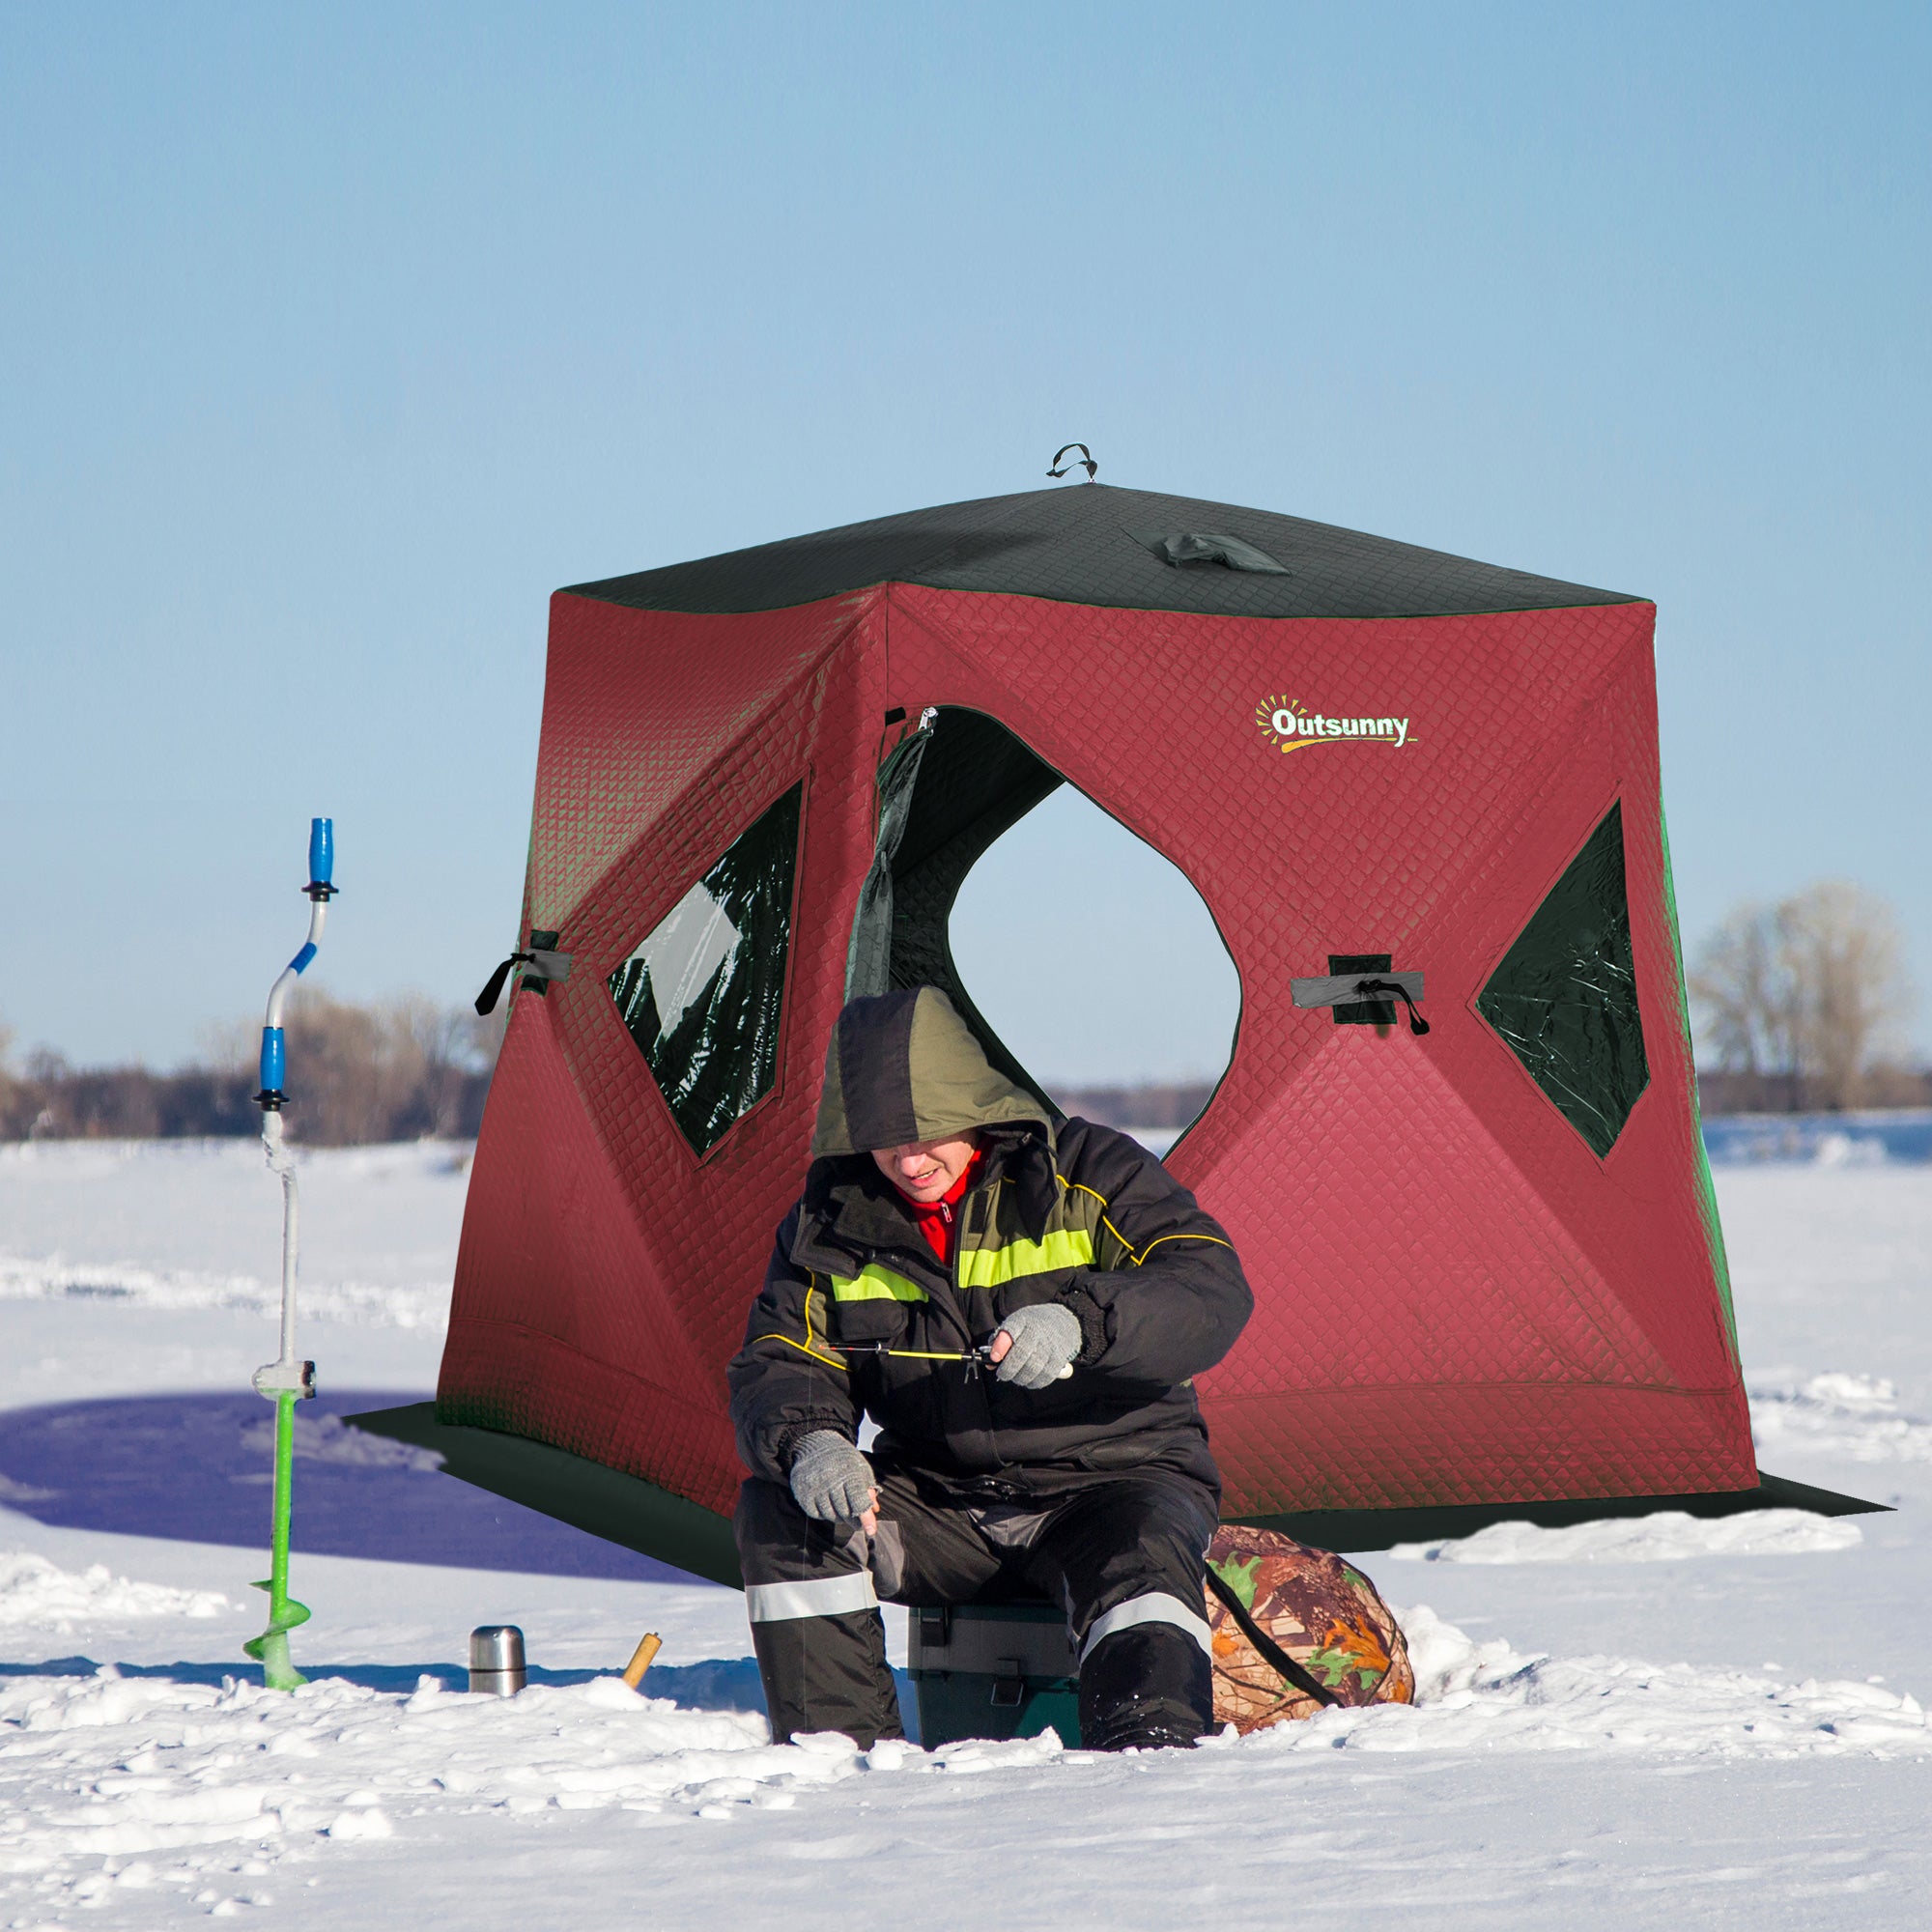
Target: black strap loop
{"x": 1416, "y": 1023}
{"x": 1265, "y": 1647}
{"x": 1087, "y": 462}
{"x": 493, "y": 989}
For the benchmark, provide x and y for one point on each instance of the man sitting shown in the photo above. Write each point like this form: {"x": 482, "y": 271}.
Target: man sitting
{"x": 1020, "y": 1307}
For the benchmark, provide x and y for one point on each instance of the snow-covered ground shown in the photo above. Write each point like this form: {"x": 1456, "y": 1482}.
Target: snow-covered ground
{"x": 1621, "y": 1726}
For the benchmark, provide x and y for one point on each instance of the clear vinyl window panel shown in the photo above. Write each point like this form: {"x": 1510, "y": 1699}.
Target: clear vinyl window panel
{"x": 700, "y": 992}
{"x": 1564, "y": 998}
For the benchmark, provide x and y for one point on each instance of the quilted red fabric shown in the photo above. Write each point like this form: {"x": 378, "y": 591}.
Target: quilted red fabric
{"x": 1457, "y": 1300}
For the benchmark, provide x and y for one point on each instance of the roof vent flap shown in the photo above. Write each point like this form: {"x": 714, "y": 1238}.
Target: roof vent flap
{"x": 1193, "y": 549}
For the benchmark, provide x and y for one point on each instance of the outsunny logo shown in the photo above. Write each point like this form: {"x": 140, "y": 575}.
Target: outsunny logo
{"x": 1296, "y": 729}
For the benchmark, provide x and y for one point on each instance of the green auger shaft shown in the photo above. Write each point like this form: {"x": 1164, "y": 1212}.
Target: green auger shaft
{"x": 272, "y": 1648}
{"x": 286, "y": 1380}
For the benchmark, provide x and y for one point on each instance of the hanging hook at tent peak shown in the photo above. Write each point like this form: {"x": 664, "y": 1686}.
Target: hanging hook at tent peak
{"x": 1085, "y": 462}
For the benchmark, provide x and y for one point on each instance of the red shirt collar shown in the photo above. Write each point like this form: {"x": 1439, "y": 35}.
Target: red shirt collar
{"x": 935, "y": 1219}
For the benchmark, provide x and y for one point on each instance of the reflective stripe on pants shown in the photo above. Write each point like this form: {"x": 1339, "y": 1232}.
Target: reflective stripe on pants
{"x": 818, "y": 1597}
{"x": 1156, "y": 1606}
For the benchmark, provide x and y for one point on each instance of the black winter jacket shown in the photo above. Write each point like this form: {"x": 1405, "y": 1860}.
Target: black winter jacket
{"x": 858, "y": 1316}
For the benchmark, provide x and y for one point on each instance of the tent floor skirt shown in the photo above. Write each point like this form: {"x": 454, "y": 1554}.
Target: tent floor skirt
{"x": 1382, "y": 1528}
{"x": 624, "y": 1510}
{"x": 638, "y": 1515}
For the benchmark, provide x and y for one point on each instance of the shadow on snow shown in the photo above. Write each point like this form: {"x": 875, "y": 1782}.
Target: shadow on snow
{"x": 197, "y": 1468}
{"x": 717, "y": 1685}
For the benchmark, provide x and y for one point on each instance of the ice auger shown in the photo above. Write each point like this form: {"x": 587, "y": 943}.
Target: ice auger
{"x": 286, "y": 1380}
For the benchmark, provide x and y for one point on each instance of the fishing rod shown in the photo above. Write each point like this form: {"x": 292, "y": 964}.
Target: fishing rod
{"x": 287, "y": 1379}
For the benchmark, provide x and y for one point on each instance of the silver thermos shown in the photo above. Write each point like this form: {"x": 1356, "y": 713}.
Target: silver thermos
{"x": 496, "y": 1659}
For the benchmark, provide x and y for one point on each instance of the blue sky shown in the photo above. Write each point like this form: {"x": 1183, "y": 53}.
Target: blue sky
{"x": 331, "y": 340}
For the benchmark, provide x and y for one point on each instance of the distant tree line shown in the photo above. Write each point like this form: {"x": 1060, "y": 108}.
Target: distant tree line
{"x": 1803, "y": 1005}
{"x": 399, "y": 1070}
{"x": 1142, "y": 1106}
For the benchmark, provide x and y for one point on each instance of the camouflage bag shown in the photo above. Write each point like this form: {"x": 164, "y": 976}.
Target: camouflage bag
{"x": 1295, "y": 1629}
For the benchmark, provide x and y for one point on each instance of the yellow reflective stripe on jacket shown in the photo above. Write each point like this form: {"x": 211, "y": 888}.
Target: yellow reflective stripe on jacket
{"x": 873, "y": 1283}
{"x": 988, "y": 1267}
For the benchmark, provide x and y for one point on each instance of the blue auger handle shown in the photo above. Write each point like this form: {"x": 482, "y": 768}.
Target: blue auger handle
{"x": 320, "y": 851}
{"x": 319, "y": 890}
{"x": 274, "y": 1060}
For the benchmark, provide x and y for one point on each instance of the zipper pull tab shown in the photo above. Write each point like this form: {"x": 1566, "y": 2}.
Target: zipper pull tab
{"x": 946, "y": 1212}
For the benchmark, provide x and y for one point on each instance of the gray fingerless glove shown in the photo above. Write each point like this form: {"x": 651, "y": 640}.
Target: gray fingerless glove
{"x": 831, "y": 1480}
{"x": 1046, "y": 1340}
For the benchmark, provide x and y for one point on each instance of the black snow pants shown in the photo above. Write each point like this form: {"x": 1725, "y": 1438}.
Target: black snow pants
{"x": 1124, "y": 1554}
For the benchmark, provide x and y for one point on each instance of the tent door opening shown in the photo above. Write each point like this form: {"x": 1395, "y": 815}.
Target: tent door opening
{"x": 1094, "y": 947}
{"x": 946, "y": 792}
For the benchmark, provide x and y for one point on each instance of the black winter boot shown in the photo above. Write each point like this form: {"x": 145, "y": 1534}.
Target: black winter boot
{"x": 1144, "y": 1686}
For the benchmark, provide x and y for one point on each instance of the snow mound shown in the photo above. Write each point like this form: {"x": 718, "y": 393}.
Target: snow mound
{"x": 1489, "y": 1697}
{"x": 36, "y": 1592}
{"x": 369, "y": 1304}
{"x": 1668, "y": 1536}
{"x": 1838, "y": 1415}
{"x": 192, "y": 1776}
{"x": 328, "y": 1439}
{"x": 1842, "y": 1150}
{"x": 131, "y": 1768}
{"x": 195, "y": 1225}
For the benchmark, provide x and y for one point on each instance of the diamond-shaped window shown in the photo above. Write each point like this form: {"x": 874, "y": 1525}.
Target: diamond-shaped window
{"x": 1565, "y": 995}
{"x": 700, "y": 992}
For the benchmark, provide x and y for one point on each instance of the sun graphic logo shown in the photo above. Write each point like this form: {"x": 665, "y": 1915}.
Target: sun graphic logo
{"x": 1281, "y": 718}
{"x": 1294, "y": 728}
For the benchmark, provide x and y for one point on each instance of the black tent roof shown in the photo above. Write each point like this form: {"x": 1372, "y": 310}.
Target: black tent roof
{"x": 1090, "y": 543}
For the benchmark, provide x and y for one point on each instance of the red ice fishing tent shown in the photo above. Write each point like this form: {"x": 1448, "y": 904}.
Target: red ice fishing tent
{"x": 1487, "y": 1259}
